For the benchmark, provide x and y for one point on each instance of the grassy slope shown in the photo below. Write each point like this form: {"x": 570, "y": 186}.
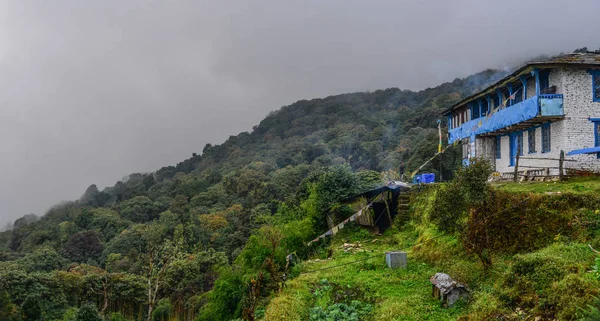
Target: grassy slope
{"x": 402, "y": 294}
{"x": 577, "y": 186}
{"x": 406, "y": 294}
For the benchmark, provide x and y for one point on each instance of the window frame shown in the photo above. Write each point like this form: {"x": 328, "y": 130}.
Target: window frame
{"x": 595, "y": 73}
{"x": 520, "y": 143}
{"x": 596, "y": 86}
{"x": 531, "y": 139}
{"x": 596, "y": 122}
{"x": 546, "y": 128}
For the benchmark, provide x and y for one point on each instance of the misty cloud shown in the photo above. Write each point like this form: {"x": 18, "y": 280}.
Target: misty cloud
{"x": 93, "y": 90}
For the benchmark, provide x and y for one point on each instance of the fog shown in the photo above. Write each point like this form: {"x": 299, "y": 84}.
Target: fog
{"x": 93, "y": 90}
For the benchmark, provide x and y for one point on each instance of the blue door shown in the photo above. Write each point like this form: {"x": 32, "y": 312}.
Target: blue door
{"x": 516, "y": 144}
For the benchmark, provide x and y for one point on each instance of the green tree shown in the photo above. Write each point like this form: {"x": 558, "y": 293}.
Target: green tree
{"x": 157, "y": 257}
{"x": 83, "y": 246}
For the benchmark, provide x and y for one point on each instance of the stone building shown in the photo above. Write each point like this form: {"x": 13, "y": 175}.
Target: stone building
{"x": 539, "y": 110}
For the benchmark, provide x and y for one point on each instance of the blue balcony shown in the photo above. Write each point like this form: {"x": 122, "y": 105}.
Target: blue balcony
{"x": 536, "y": 109}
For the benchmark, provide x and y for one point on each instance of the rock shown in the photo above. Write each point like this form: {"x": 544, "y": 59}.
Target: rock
{"x": 447, "y": 290}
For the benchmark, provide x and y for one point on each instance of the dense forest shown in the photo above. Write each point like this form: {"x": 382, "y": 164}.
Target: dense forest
{"x": 207, "y": 239}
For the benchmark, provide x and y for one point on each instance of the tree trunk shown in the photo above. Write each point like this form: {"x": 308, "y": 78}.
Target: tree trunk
{"x": 105, "y": 305}
{"x": 150, "y": 309}
{"x": 150, "y": 297}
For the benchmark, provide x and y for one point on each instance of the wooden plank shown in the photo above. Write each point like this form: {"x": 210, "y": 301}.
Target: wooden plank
{"x": 554, "y": 159}
{"x": 538, "y": 167}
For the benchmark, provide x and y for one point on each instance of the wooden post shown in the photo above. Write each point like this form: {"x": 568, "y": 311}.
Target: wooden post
{"x": 517, "y": 163}
{"x": 561, "y": 164}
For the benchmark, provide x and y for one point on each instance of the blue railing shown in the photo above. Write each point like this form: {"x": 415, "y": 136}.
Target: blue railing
{"x": 542, "y": 105}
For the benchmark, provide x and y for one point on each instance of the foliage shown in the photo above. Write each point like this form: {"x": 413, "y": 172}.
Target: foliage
{"x": 88, "y": 312}
{"x": 596, "y": 269}
{"x": 354, "y": 311}
{"x": 334, "y": 302}
{"x": 468, "y": 189}
{"x": 83, "y": 246}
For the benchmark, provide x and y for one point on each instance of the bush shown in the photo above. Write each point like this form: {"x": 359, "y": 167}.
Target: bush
{"x": 88, "y": 312}
{"x": 552, "y": 282}
{"x": 116, "y": 316}
{"x": 469, "y": 188}
{"x": 70, "y": 314}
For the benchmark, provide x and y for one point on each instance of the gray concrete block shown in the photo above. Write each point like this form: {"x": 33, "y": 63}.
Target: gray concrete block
{"x": 396, "y": 260}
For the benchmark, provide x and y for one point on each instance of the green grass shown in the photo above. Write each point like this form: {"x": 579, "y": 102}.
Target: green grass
{"x": 401, "y": 294}
{"x": 583, "y": 185}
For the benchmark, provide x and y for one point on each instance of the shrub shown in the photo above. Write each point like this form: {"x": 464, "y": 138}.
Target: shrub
{"x": 88, "y": 312}
{"x": 552, "y": 282}
{"x": 116, "y": 316}
{"x": 354, "y": 311}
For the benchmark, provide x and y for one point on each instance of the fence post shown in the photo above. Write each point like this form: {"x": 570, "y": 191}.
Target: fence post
{"x": 561, "y": 162}
{"x": 517, "y": 164}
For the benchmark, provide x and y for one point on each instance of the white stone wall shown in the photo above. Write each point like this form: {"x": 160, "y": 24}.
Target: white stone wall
{"x": 575, "y": 131}
{"x": 579, "y": 108}
{"x": 485, "y": 148}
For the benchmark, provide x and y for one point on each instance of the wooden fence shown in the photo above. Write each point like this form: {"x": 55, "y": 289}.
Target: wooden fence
{"x": 532, "y": 172}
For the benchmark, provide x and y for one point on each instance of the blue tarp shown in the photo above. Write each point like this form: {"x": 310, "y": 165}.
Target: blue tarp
{"x": 591, "y": 150}
{"x": 551, "y": 105}
{"x": 424, "y": 178}
{"x": 508, "y": 116}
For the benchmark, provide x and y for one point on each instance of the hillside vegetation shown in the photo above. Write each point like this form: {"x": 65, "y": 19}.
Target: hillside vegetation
{"x": 206, "y": 239}
{"x": 524, "y": 256}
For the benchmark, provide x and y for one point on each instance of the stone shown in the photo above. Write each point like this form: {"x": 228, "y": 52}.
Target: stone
{"x": 447, "y": 290}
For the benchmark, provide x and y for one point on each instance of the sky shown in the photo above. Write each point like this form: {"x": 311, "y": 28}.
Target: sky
{"x": 91, "y": 91}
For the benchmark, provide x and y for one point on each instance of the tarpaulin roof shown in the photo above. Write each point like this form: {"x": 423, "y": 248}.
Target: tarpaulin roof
{"x": 591, "y": 150}
{"x": 525, "y": 110}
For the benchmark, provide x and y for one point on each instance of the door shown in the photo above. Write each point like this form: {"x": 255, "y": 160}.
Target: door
{"x": 516, "y": 144}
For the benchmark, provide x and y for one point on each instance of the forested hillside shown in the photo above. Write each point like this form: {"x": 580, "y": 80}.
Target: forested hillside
{"x": 207, "y": 239}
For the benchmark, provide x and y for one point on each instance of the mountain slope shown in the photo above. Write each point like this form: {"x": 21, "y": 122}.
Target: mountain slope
{"x": 195, "y": 226}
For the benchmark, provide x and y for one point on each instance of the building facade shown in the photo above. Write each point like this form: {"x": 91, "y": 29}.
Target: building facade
{"x": 538, "y": 111}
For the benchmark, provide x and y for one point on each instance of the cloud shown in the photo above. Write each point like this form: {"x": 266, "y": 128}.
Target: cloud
{"x": 93, "y": 90}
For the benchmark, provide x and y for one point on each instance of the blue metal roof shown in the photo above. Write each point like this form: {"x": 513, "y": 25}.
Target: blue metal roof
{"x": 591, "y": 150}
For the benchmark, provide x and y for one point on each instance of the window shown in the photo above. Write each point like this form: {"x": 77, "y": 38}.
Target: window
{"x": 544, "y": 80}
{"x": 596, "y": 87}
{"x": 546, "y": 138}
{"x": 531, "y": 140}
{"x": 520, "y": 143}
{"x": 498, "y": 146}
{"x": 496, "y": 101}
{"x": 475, "y": 110}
